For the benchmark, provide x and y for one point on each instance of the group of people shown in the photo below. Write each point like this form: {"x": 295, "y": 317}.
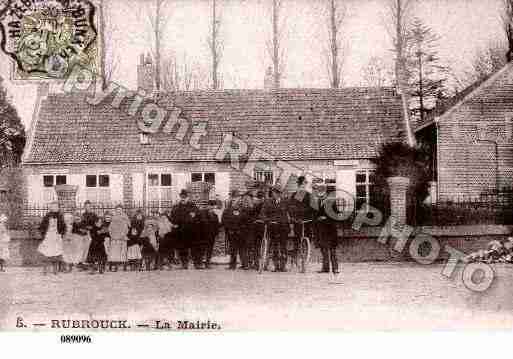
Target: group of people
{"x": 188, "y": 231}
{"x": 114, "y": 240}
{"x": 247, "y": 214}
{"x": 497, "y": 251}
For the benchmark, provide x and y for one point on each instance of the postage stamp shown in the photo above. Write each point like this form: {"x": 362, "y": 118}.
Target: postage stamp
{"x": 46, "y": 38}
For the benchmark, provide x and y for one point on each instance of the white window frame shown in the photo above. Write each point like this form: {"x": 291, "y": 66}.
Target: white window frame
{"x": 159, "y": 196}
{"x": 367, "y": 184}
{"x": 48, "y": 192}
{"x": 98, "y": 194}
{"x": 212, "y": 193}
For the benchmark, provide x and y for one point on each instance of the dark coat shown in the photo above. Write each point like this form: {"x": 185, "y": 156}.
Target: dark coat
{"x": 303, "y": 206}
{"x": 61, "y": 226}
{"x": 79, "y": 228}
{"x": 275, "y": 212}
{"x": 186, "y": 217}
{"x": 327, "y": 225}
{"x": 97, "y": 247}
{"x": 89, "y": 220}
{"x": 209, "y": 225}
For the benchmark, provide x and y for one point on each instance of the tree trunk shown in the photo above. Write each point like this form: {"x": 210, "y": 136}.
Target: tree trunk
{"x": 215, "y": 83}
{"x": 400, "y": 71}
{"x": 157, "y": 45}
{"x": 276, "y": 46}
{"x": 335, "y": 80}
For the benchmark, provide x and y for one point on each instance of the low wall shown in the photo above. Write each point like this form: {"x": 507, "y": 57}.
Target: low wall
{"x": 355, "y": 246}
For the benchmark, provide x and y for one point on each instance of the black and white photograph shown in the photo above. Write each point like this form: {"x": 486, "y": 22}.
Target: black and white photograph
{"x": 220, "y": 166}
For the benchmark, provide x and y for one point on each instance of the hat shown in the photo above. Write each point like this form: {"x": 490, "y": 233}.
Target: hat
{"x": 235, "y": 193}
{"x": 87, "y": 202}
{"x": 212, "y": 203}
{"x": 184, "y": 193}
{"x": 301, "y": 180}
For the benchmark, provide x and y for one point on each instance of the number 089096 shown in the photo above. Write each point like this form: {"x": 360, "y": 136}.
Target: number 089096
{"x": 75, "y": 339}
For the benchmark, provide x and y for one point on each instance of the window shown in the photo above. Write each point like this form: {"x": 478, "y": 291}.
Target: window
{"x": 329, "y": 179}
{"x": 159, "y": 191}
{"x": 265, "y": 176}
{"x": 98, "y": 188}
{"x": 51, "y": 180}
{"x": 208, "y": 177}
{"x": 365, "y": 189}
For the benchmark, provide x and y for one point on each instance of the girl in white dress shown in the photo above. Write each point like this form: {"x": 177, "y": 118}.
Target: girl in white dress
{"x": 4, "y": 242}
{"x": 52, "y": 228}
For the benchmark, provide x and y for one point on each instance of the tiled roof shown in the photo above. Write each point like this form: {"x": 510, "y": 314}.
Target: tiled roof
{"x": 291, "y": 124}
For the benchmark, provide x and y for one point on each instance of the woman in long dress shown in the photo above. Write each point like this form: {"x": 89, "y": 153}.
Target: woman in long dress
{"x": 52, "y": 228}
{"x": 118, "y": 231}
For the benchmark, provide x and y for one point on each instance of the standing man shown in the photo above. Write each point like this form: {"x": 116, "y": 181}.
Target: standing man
{"x": 232, "y": 224}
{"x": 303, "y": 207}
{"x": 185, "y": 218}
{"x": 327, "y": 230}
{"x": 211, "y": 227}
{"x": 275, "y": 211}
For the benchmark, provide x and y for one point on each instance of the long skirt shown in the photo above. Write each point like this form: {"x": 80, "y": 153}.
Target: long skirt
{"x": 51, "y": 245}
{"x": 134, "y": 252}
{"x": 116, "y": 250}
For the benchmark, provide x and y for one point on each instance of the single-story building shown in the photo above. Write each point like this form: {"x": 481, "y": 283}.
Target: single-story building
{"x": 472, "y": 140}
{"x": 331, "y": 133}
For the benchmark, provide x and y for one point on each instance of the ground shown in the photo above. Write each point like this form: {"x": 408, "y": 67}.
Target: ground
{"x": 369, "y": 296}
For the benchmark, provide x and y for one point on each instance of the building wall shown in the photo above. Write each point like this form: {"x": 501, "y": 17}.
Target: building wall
{"x": 468, "y": 162}
{"x": 128, "y": 182}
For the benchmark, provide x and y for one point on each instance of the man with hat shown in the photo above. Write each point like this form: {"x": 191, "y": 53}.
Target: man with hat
{"x": 257, "y": 229}
{"x": 326, "y": 225}
{"x": 232, "y": 222}
{"x": 210, "y": 229}
{"x": 276, "y": 212}
{"x": 185, "y": 219}
{"x": 302, "y": 208}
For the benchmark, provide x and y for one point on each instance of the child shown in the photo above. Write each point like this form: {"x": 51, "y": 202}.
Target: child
{"x": 81, "y": 231}
{"x": 97, "y": 253}
{"x": 134, "y": 255}
{"x": 166, "y": 252}
{"x": 118, "y": 231}
{"x": 150, "y": 245}
{"x": 4, "y": 242}
{"x": 52, "y": 228}
{"x": 69, "y": 243}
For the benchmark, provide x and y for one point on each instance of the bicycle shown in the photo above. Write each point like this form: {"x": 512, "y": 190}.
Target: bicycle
{"x": 263, "y": 255}
{"x": 304, "y": 249}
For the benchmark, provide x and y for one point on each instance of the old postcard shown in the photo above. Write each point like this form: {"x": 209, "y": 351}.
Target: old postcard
{"x": 214, "y": 166}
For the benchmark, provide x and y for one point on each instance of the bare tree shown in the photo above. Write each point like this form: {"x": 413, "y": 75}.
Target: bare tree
{"x": 376, "y": 73}
{"x": 507, "y": 24}
{"x": 486, "y": 61}
{"x": 397, "y": 19}
{"x": 158, "y": 22}
{"x": 336, "y": 14}
{"x": 275, "y": 46}
{"x": 215, "y": 45}
{"x": 109, "y": 59}
{"x": 182, "y": 75}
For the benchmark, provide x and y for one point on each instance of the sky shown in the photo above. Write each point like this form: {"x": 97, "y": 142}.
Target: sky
{"x": 463, "y": 25}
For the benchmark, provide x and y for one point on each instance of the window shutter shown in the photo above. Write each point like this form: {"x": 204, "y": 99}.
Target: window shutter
{"x": 35, "y": 190}
{"x": 138, "y": 188}
{"x": 116, "y": 188}
{"x": 222, "y": 185}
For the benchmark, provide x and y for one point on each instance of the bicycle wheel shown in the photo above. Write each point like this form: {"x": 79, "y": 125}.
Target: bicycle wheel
{"x": 263, "y": 253}
{"x": 304, "y": 253}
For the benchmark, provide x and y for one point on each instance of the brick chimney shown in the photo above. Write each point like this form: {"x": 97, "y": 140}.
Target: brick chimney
{"x": 145, "y": 74}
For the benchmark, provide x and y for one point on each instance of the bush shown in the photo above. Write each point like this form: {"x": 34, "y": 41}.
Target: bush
{"x": 398, "y": 159}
